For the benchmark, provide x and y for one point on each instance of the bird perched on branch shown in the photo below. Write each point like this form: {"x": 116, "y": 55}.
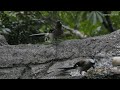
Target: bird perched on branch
{"x": 57, "y": 31}
{"x": 53, "y": 34}
{"x": 82, "y": 65}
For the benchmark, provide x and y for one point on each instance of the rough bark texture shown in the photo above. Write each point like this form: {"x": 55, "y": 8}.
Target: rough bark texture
{"x": 42, "y": 61}
{"x": 3, "y": 40}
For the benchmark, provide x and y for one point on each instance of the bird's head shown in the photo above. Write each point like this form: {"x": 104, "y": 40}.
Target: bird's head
{"x": 58, "y": 24}
{"x": 92, "y": 63}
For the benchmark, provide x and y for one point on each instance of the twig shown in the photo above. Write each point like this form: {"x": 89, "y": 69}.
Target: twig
{"x": 74, "y": 31}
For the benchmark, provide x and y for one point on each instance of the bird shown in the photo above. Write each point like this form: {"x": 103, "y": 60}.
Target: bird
{"x": 57, "y": 31}
{"x": 82, "y": 65}
{"x": 53, "y": 33}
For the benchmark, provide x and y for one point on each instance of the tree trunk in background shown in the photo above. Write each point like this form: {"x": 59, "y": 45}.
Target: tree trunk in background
{"x": 108, "y": 23}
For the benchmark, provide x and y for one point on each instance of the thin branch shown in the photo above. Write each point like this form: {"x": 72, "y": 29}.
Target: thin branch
{"x": 74, "y": 31}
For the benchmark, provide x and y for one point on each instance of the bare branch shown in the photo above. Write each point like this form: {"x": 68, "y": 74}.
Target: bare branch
{"x": 74, "y": 31}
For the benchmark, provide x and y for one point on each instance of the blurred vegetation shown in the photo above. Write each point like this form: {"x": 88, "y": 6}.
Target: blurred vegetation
{"x": 16, "y": 26}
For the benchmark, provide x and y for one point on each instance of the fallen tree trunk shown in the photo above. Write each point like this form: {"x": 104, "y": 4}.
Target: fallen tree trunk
{"x": 3, "y": 40}
{"x": 42, "y": 61}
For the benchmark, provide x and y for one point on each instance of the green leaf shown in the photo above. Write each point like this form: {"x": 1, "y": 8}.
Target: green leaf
{"x": 100, "y": 16}
{"x": 94, "y": 18}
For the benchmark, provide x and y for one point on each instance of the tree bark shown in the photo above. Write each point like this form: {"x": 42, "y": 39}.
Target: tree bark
{"x": 107, "y": 22}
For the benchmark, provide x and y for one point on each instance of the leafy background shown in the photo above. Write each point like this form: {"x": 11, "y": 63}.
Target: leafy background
{"x": 16, "y": 26}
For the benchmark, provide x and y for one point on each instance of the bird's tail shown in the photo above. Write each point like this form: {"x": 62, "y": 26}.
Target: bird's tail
{"x": 66, "y": 68}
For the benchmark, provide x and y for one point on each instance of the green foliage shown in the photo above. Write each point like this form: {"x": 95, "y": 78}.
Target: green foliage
{"x": 18, "y": 25}
{"x": 96, "y": 16}
{"x": 115, "y": 17}
{"x": 89, "y": 29}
